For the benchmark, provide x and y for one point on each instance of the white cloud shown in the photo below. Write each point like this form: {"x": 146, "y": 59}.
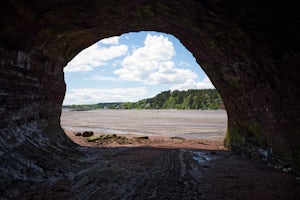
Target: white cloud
{"x": 167, "y": 74}
{"x": 186, "y": 64}
{"x": 111, "y": 40}
{"x": 192, "y": 84}
{"x": 104, "y": 78}
{"x": 147, "y": 59}
{"x": 93, "y": 95}
{"x": 94, "y": 56}
{"x": 152, "y": 64}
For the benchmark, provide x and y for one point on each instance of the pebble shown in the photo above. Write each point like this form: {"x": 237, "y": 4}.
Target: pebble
{"x": 77, "y": 134}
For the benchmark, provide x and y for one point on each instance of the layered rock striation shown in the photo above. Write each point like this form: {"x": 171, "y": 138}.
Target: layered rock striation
{"x": 250, "y": 51}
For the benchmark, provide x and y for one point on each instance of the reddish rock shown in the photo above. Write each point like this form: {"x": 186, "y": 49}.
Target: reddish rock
{"x": 249, "y": 49}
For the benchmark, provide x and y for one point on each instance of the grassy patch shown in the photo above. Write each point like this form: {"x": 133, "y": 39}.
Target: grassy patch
{"x": 108, "y": 138}
{"x": 177, "y": 138}
{"x": 142, "y": 138}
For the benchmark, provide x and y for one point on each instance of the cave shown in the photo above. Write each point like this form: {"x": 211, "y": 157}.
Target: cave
{"x": 249, "y": 49}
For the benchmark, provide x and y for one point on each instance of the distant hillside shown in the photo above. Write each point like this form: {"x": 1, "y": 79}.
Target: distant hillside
{"x": 207, "y": 99}
{"x": 191, "y": 99}
{"x": 115, "y": 105}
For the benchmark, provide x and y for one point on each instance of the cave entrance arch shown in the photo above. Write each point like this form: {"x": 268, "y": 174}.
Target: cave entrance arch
{"x": 235, "y": 43}
{"x": 99, "y": 78}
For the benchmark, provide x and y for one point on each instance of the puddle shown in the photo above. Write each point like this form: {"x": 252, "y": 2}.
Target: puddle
{"x": 201, "y": 157}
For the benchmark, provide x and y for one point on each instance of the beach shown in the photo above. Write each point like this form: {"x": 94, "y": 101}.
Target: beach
{"x": 168, "y": 123}
{"x": 164, "y": 154}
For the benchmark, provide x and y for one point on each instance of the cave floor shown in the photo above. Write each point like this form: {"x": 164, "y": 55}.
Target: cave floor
{"x": 164, "y": 168}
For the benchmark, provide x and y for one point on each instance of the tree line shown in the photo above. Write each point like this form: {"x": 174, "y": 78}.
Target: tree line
{"x": 205, "y": 99}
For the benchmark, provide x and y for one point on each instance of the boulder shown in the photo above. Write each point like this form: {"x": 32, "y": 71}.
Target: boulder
{"x": 87, "y": 133}
{"x": 77, "y": 134}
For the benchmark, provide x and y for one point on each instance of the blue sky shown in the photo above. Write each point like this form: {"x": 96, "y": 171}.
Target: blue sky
{"x": 131, "y": 67}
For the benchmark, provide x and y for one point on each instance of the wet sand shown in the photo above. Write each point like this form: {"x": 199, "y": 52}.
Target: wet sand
{"x": 166, "y": 123}
{"x": 196, "y": 166}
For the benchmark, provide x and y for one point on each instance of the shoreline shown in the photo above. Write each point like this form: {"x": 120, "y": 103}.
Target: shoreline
{"x": 170, "y": 123}
{"x": 152, "y": 141}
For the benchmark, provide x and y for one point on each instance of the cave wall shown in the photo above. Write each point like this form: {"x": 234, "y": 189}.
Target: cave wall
{"x": 250, "y": 51}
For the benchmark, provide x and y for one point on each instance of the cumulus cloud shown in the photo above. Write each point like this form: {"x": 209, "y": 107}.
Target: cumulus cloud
{"x": 167, "y": 74}
{"x": 147, "y": 59}
{"x": 111, "y": 40}
{"x": 192, "y": 84}
{"x": 94, "y": 95}
{"x": 94, "y": 56}
{"x": 152, "y": 64}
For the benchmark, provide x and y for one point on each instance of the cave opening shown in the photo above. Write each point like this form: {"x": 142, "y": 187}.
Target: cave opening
{"x": 151, "y": 72}
{"x": 250, "y": 50}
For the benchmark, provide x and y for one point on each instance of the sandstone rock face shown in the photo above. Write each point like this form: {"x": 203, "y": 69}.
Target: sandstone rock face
{"x": 250, "y": 51}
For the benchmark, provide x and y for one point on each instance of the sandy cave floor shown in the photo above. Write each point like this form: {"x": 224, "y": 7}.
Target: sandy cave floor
{"x": 191, "y": 169}
{"x": 164, "y": 168}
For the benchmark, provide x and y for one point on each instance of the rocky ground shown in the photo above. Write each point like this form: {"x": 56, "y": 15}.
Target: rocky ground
{"x": 141, "y": 160}
{"x": 166, "y": 168}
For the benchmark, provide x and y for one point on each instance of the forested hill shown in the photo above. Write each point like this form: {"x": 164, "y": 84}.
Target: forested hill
{"x": 191, "y": 99}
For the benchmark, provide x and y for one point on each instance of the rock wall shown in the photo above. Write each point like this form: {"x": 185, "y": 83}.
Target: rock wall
{"x": 250, "y": 51}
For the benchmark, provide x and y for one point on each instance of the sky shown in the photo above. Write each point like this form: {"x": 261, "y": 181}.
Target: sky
{"x": 131, "y": 67}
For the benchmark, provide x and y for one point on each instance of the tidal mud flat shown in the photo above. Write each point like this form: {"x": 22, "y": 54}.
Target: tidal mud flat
{"x": 166, "y": 123}
{"x": 171, "y": 164}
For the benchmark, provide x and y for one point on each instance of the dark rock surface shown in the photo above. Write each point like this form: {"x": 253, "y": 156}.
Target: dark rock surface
{"x": 249, "y": 49}
{"x": 87, "y": 133}
{"x": 78, "y": 134}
